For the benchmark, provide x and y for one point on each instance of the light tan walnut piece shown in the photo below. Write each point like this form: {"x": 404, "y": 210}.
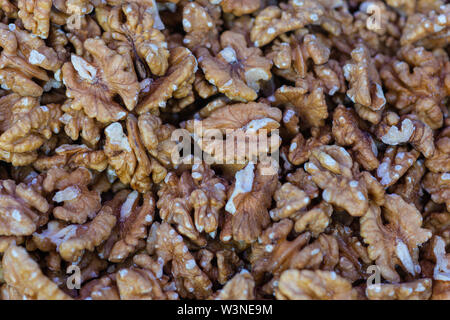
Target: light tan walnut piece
{"x": 103, "y": 288}
{"x": 165, "y": 282}
{"x": 189, "y": 279}
{"x": 290, "y": 200}
{"x": 441, "y": 290}
{"x": 240, "y": 7}
{"x": 393, "y": 130}
{"x": 331, "y": 77}
{"x": 309, "y": 103}
{"x": 240, "y": 287}
{"x": 58, "y": 40}
{"x": 328, "y": 76}
{"x": 300, "y": 148}
{"x": 228, "y": 263}
{"x": 381, "y": 34}
{"x": 207, "y": 199}
{"x": 212, "y": 106}
{"x": 23, "y": 209}
{"x": 410, "y": 186}
{"x": 430, "y": 29}
{"x": 353, "y": 257}
{"x": 75, "y": 201}
{"x": 91, "y": 265}
{"x": 238, "y": 133}
{"x": 132, "y": 24}
{"x": 282, "y": 54}
{"x": 35, "y": 15}
{"x": 71, "y": 241}
{"x": 395, "y": 162}
{"x": 291, "y": 56}
{"x": 205, "y": 90}
{"x": 183, "y": 98}
{"x": 128, "y": 157}
{"x": 46, "y": 241}
{"x": 439, "y": 224}
{"x": 332, "y": 169}
{"x": 242, "y": 24}
{"x": 60, "y": 178}
{"x": 290, "y": 122}
{"x": 22, "y": 273}
{"x": 94, "y": 84}
{"x": 8, "y": 8}
{"x": 237, "y": 70}
{"x": 321, "y": 254}
{"x": 408, "y": 7}
{"x": 205, "y": 261}
{"x": 315, "y": 220}
{"x": 438, "y": 185}
{"x": 441, "y": 271}
{"x": 88, "y": 28}
{"x": 133, "y": 222}
{"x": 364, "y": 81}
{"x": 25, "y": 57}
{"x": 176, "y": 83}
{"x": 249, "y": 199}
{"x": 79, "y": 7}
{"x": 77, "y": 124}
{"x": 157, "y": 139}
{"x": 174, "y": 205}
{"x": 174, "y": 40}
{"x": 414, "y": 290}
{"x": 273, "y": 252}
{"x": 398, "y": 241}
{"x": 201, "y": 192}
{"x": 146, "y": 167}
{"x": 415, "y": 83}
{"x": 5, "y": 242}
{"x": 314, "y": 285}
{"x": 120, "y": 195}
{"x": 200, "y": 25}
{"x": 139, "y": 284}
{"x": 8, "y": 292}
{"x": 25, "y": 127}
{"x": 440, "y": 161}
{"x": 219, "y": 265}
{"x": 346, "y": 133}
{"x": 73, "y": 156}
{"x": 337, "y": 18}
{"x": 273, "y": 21}
{"x": 29, "y": 129}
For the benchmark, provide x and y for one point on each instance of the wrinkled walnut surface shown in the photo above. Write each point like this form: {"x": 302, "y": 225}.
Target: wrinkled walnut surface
{"x": 96, "y": 96}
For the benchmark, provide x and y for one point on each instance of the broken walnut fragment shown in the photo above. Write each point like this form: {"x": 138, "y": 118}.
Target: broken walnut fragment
{"x": 94, "y": 84}
{"x": 237, "y": 70}
{"x": 22, "y": 273}
{"x": 398, "y": 241}
{"x": 314, "y": 285}
{"x": 332, "y": 169}
{"x": 248, "y": 201}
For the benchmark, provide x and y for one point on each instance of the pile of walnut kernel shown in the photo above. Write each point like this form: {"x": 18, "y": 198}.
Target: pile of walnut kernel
{"x": 91, "y": 92}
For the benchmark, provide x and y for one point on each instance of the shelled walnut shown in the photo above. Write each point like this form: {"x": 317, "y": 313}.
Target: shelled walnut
{"x": 224, "y": 149}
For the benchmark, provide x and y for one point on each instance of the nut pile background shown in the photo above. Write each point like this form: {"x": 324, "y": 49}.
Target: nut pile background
{"x": 92, "y": 91}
